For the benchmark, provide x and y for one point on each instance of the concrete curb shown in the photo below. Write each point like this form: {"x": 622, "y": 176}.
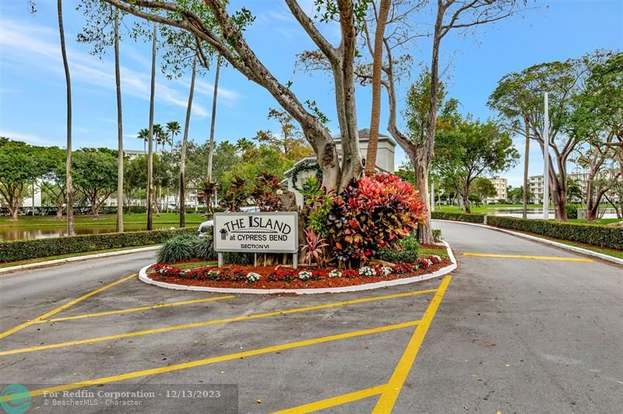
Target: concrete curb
{"x": 142, "y": 275}
{"x": 76, "y": 259}
{"x": 575, "y": 249}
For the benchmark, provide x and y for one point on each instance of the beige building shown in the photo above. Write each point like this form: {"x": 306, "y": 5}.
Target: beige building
{"x": 501, "y": 185}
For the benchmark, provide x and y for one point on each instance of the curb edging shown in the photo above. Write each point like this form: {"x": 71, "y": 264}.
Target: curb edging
{"x": 142, "y": 275}
{"x": 75, "y": 259}
{"x": 563, "y": 246}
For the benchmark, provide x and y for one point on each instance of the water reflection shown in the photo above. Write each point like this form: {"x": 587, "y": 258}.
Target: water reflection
{"x": 52, "y": 231}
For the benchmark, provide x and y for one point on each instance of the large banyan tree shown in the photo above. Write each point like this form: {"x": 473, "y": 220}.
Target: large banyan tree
{"x": 215, "y": 27}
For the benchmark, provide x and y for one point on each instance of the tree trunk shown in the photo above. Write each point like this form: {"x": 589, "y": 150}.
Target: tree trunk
{"x": 150, "y": 154}
{"x": 424, "y": 228}
{"x": 213, "y": 124}
{"x": 69, "y": 192}
{"x": 183, "y": 149}
{"x": 120, "y": 153}
{"x": 377, "y": 64}
{"x": 465, "y": 195}
{"x": 351, "y": 155}
{"x": 13, "y": 206}
{"x": 526, "y": 164}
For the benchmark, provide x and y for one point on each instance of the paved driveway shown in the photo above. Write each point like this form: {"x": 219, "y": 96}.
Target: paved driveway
{"x": 520, "y": 327}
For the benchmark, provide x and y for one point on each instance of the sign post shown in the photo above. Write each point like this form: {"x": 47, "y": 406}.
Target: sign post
{"x": 270, "y": 232}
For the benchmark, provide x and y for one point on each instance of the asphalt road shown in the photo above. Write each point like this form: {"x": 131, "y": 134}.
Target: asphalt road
{"x": 540, "y": 333}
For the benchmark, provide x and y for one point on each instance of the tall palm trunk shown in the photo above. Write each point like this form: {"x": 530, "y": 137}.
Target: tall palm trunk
{"x": 69, "y": 193}
{"x": 119, "y": 129}
{"x": 526, "y": 164}
{"x": 377, "y": 64}
{"x": 189, "y": 108}
{"x": 213, "y": 122}
{"x": 150, "y": 153}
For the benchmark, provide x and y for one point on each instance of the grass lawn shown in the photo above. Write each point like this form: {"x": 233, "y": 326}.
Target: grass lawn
{"x": 193, "y": 265}
{"x": 26, "y": 222}
{"x": 432, "y": 250}
{"x": 597, "y": 222}
{"x": 484, "y": 208}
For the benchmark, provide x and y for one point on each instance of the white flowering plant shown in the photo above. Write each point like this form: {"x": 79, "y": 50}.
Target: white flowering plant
{"x": 305, "y": 275}
{"x": 253, "y": 277}
{"x": 386, "y": 270}
{"x": 335, "y": 273}
{"x": 367, "y": 271}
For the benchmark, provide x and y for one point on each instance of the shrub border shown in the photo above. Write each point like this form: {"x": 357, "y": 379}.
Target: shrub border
{"x": 13, "y": 251}
{"x": 463, "y": 217}
{"x": 142, "y": 275}
{"x": 560, "y": 245}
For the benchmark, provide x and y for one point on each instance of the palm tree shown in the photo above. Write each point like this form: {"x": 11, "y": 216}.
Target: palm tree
{"x": 173, "y": 128}
{"x": 150, "y": 154}
{"x": 119, "y": 128}
{"x": 69, "y": 193}
{"x": 213, "y": 120}
{"x": 159, "y": 135}
{"x": 184, "y": 144}
{"x": 143, "y": 135}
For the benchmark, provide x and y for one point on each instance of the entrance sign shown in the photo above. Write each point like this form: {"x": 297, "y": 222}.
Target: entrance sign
{"x": 270, "y": 232}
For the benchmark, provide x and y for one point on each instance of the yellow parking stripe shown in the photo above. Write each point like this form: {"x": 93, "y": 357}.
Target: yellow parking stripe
{"x": 334, "y": 401}
{"x": 61, "y": 308}
{"x": 388, "y": 398}
{"x": 519, "y": 256}
{"x": 246, "y": 317}
{"x": 213, "y": 360}
{"x": 136, "y": 309}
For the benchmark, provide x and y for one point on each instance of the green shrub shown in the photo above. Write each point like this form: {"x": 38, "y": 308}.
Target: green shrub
{"x": 572, "y": 211}
{"x": 31, "y": 249}
{"x": 179, "y": 249}
{"x": 469, "y": 218}
{"x": 408, "y": 254}
{"x": 204, "y": 247}
{"x": 397, "y": 256}
{"x": 410, "y": 243}
{"x": 238, "y": 258}
{"x": 437, "y": 235}
{"x": 610, "y": 237}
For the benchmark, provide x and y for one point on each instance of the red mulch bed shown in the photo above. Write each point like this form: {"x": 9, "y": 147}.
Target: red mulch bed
{"x": 320, "y": 280}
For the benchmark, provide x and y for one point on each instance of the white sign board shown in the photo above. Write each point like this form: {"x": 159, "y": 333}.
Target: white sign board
{"x": 272, "y": 232}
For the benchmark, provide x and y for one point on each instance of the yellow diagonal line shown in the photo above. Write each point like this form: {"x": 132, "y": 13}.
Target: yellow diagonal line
{"x": 63, "y": 307}
{"x": 213, "y": 360}
{"x": 388, "y": 398}
{"x": 136, "y": 309}
{"x": 527, "y": 257}
{"x": 334, "y": 401}
{"x": 212, "y": 322}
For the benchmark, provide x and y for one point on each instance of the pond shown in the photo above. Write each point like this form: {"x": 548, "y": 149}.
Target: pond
{"x": 48, "y": 231}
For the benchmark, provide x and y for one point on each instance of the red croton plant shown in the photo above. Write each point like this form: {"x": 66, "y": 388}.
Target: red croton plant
{"x": 372, "y": 213}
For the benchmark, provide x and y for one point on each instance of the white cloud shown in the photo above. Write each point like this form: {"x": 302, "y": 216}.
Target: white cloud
{"x": 37, "y": 45}
{"x": 27, "y": 137}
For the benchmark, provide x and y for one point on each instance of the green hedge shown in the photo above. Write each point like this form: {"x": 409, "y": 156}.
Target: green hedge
{"x": 610, "y": 237}
{"x": 31, "y": 249}
{"x": 470, "y": 218}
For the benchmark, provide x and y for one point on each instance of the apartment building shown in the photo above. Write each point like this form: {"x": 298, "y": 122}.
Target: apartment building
{"x": 501, "y": 186}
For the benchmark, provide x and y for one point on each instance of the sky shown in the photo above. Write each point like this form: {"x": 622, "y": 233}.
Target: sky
{"x": 32, "y": 83}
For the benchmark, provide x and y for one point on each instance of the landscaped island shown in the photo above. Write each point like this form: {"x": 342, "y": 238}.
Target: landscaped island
{"x": 200, "y": 273}
{"x": 366, "y": 234}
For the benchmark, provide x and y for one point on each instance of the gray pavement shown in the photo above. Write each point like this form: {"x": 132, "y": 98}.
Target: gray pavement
{"x": 510, "y": 335}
